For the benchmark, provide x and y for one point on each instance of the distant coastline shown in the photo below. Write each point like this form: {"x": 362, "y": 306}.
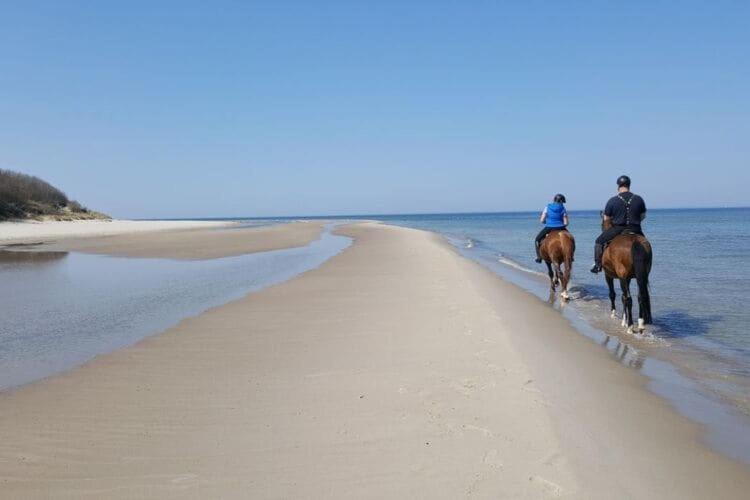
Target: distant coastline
{"x": 377, "y": 216}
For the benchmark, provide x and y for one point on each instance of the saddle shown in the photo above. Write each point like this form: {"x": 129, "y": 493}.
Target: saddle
{"x": 626, "y": 232}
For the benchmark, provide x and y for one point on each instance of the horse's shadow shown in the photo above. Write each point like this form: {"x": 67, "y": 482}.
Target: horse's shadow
{"x": 590, "y": 291}
{"x": 680, "y": 324}
{"x": 673, "y": 323}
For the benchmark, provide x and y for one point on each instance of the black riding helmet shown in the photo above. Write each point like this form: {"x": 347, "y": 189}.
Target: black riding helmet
{"x": 623, "y": 181}
{"x": 560, "y": 198}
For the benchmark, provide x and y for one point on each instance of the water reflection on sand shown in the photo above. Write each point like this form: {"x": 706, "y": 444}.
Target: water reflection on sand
{"x": 61, "y": 309}
{"x": 623, "y": 352}
{"x": 11, "y": 257}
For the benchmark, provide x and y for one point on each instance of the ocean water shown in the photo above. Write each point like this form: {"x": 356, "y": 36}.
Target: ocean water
{"x": 698, "y": 350}
{"x": 61, "y": 309}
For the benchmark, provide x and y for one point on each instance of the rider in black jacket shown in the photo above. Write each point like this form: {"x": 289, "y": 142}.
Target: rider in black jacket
{"x": 627, "y": 210}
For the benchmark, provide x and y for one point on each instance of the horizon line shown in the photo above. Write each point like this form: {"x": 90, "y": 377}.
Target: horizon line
{"x": 394, "y": 214}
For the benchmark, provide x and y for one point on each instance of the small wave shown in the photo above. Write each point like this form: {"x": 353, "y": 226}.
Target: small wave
{"x": 469, "y": 243}
{"x": 652, "y": 338}
{"x": 515, "y": 265}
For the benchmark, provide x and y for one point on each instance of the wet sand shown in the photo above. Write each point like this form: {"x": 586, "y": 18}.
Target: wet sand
{"x": 396, "y": 369}
{"x": 221, "y": 239}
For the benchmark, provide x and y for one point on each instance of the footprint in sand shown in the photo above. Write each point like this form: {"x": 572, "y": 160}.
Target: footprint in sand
{"x": 486, "y": 432}
{"x": 467, "y": 387}
{"x": 185, "y": 479}
{"x": 493, "y": 367}
{"x": 492, "y": 459}
{"x": 550, "y": 488}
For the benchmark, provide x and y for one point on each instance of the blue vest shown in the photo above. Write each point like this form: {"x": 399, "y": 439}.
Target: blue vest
{"x": 555, "y": 212}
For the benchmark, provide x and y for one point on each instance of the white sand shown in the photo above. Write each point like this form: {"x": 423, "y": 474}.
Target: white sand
{"x": 33, "y": 231}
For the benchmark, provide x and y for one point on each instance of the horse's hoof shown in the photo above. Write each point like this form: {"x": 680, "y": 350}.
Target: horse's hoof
{"x": 641, "y": 325}
{"x": 630, "y": 329}
{"x": 624, "y": 321}
{"x": 613, "y": 314}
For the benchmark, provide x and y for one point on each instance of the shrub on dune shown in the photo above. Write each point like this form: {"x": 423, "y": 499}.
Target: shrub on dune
{"x": 26, "y": 196}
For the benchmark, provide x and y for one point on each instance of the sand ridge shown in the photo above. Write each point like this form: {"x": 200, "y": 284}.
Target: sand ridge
{"x": 35, "y": 231}
{"x": 379, "y": 374}
{"x": 221, "y": 239}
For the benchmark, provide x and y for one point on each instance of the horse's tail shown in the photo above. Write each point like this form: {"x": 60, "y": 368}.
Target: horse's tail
{"x": 642, "y": 256}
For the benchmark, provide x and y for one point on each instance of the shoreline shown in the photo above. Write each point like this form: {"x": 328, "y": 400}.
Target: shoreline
{"x": 724, "y": 418}
{"x": 595, "y": 380}
{"x": 451, "y": 381}
{"x": 696, "y": 353}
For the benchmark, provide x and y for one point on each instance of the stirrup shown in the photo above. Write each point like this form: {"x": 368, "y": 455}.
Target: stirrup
{"x": 596, "y": 268}
{"x": 538, "y": 260}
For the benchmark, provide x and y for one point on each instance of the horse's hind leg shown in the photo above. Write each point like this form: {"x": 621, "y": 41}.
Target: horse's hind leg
{"x": 612, "y": 294}
{"x": 566, "y": 279}
{"x": 644, "y": 307}
{"x": 551, "y": 275}
{"x": 641, "y": 310}
{"x": 558, "y": 273}
{"x": 627, "y": 303}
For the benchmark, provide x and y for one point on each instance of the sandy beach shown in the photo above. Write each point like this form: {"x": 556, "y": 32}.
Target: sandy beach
{"x": 34, "y": 231}
{"x": 397, "y": 369}
{"x": 159, "y": 239}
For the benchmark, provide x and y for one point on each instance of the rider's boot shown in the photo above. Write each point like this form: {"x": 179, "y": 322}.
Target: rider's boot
{"x": 598, "y": 251}
{"x": 538, "y": 259}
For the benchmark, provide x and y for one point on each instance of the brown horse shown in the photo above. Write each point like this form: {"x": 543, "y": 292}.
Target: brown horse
{"x": 557, "y": 250}
{"x": 628, "y": 256}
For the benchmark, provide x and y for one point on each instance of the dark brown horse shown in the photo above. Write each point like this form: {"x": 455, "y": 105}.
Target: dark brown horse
{"x": 557, "y": 250}
{"x": 628, "y": 256}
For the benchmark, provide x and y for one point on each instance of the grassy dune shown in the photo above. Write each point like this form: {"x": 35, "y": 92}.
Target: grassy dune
{"x": 27, "y": 197}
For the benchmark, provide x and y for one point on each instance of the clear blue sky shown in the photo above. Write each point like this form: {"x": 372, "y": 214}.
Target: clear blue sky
{"x": 285, "y": 108}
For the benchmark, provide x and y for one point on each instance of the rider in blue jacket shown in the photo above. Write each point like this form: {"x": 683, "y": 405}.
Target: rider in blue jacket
{"x": 554, "y": 217}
